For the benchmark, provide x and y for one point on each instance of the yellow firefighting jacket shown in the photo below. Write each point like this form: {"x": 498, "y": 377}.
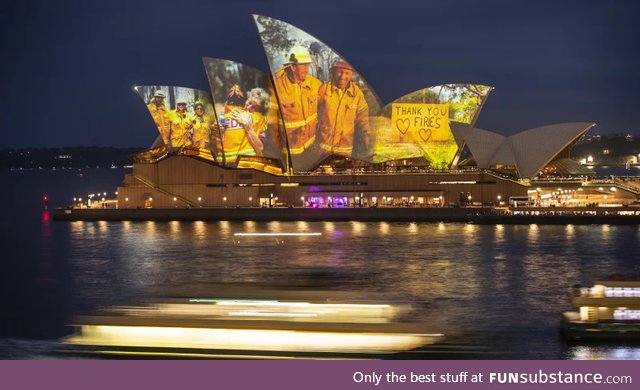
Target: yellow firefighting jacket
{"x": 201, "y": 131}
{"x": 235, "y": 141}
{"x": 161, "y": 117}
{"x": 181, "y": 127}
{"x": 299, "y": 107}
{"x": 340, "y": 114}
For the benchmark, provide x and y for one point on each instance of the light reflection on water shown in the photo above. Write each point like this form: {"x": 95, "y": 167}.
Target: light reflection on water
{"x": 479, "y": 279}
{"x": 604, "y": 352}
{"x": 569, "y": 232}
{"x": 502, "y": 286}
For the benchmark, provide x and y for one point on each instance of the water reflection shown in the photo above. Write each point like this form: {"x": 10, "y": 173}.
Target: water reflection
{"x": 533, "y": 235}
{"x": 77, "y": 226}
{"x": 570, "y": 232}
{"x": 224, "y": 228}
{"x": 499, "y": 234}
{"x": 412, "y": 228}
{"x": 174, "y": 228}
{"x": 249, "y": 226}
{"x": 463, "y": 276}
{"x": 606, "y": 231}
{"x": 200, "y": 231}
{"x": 151, "y": 229}
{"x": 274, "y": 226}
{"x": 603, "y": 352}
{"x": 358, "y": 228}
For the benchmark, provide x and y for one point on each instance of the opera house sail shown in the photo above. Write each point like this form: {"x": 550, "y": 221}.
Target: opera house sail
{"x": 312, "y": 132}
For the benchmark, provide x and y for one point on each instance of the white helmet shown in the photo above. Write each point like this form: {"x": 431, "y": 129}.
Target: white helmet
{"x": 299, "y": 55}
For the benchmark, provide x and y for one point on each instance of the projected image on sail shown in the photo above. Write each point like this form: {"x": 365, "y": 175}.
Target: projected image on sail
{"x": 324, "y": 101}
{"x": 250, "y": 131}
{"x": 184, "y": 118}
{"x": 416, "y": 126}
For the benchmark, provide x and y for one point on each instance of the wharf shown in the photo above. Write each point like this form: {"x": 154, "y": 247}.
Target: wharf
{"x": 524, "y": 216}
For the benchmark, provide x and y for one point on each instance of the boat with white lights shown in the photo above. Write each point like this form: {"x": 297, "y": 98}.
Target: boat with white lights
{"x": 311, "y": 325}
{"x": 608, "y": 310}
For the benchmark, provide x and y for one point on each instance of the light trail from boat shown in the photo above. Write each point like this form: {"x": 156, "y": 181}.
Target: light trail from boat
{"x": 275, "y": 234}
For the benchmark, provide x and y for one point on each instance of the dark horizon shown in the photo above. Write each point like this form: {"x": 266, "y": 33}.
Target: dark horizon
{"x": 70, "y": 66}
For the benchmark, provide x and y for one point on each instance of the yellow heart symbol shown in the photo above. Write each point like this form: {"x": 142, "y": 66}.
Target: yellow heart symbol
{"x": 403, "y": 125}
{"x": 425, "y": 134}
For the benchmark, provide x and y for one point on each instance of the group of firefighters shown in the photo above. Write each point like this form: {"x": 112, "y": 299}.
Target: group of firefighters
{"x": 321, "y": 115}
{"x": 319, "y": 118}
{"x": 179, "y": 127}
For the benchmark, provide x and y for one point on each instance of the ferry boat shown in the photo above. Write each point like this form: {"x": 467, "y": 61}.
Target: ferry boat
{"x": 227, "y": 327}
{"x": 608, "y": 310}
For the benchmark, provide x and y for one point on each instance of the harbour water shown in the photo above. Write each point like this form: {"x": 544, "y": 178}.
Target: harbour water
{"x": 500, "y": 289}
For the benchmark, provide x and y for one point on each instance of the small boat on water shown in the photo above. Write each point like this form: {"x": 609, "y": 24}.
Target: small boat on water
{"x": 608, "y": 310}
{"x": 241, "y": 326}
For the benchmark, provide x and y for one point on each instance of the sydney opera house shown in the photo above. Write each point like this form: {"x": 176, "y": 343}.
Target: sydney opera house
{"x": 313, "y": 133}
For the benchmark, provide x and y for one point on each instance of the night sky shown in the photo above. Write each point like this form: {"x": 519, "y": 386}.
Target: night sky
{"x": 67, "y": 68}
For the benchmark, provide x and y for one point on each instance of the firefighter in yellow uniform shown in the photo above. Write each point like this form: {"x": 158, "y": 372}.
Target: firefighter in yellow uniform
{"x": 201, "y": 127}
{"x": 246, "y": 125}
{"x": 298, "y": 97}
{"x": 342, "y": 112}
{"x": 160, "y": 114}
{"x": 181, "y": 125}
